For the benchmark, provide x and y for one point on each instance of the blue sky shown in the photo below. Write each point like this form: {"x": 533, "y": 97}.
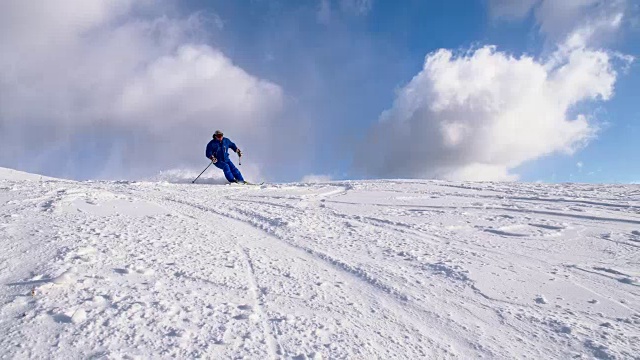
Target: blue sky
{"x": 330, "y": 70}
{"x": 346, "y": 70}
{"x": 363, "y": 58}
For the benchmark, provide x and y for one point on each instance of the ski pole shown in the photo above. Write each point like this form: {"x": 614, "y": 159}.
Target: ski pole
{"x": 205, "y": 169}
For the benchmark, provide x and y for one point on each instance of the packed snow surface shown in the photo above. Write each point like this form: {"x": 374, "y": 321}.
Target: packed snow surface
{"x": 341, "y": 270}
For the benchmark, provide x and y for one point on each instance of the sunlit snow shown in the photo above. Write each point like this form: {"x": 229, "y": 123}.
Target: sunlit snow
{"x": 345, "y": 270}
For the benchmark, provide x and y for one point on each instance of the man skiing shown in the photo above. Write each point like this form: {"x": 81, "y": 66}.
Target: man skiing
{"x": 218, "y": 153}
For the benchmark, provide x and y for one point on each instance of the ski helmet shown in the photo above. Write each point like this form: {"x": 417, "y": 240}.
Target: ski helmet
{"x": 218, "y": 132}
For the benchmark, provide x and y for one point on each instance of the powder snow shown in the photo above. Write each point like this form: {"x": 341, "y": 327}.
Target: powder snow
{"x": 385, "y": 269}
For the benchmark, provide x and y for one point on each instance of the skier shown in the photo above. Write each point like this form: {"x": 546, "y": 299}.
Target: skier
{"x": 218, "y": 153}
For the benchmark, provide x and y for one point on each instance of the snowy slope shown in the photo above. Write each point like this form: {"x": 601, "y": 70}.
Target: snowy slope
{"x": 357, "y": 270}
{"x": 10, "y": 174}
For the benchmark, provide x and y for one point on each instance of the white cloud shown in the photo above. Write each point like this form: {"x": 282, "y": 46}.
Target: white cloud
{"x": 598, "y": 19}
{"x": 119, "y": 86}
{"x": 195, "y": 80}
{"x": 312, "y": 178}
{"x": 579, "y": 164}
{"x": 479, "y": 115}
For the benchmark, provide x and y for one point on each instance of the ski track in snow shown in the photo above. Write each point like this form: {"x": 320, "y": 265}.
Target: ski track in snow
{"x": 387, "y": 269}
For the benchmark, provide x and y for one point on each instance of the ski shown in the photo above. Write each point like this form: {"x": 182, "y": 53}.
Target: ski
{"x": 247, "y": 183}
{"x": 253, "y": 184}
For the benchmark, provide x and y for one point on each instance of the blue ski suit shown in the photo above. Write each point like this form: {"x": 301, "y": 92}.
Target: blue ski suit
{"x": 220, "y": 150}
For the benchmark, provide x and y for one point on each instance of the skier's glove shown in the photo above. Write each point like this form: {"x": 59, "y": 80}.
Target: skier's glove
{"x": 239, "y": 152}
{"x": 214, "y": 160}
